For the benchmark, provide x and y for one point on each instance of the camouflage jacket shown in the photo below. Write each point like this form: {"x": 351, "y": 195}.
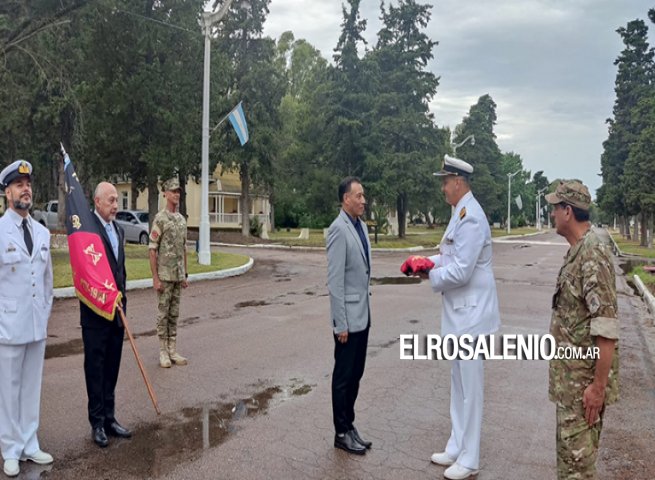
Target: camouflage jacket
{"x": 584, "y": 306}
{"x": 168, "y": 238}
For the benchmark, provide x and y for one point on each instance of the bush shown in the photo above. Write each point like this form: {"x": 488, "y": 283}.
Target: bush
{"x": 255, "y": 227}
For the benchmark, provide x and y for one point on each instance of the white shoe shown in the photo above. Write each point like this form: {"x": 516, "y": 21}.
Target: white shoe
{"x": 40, "y": 457}
{"x": 457, "y": 472}
{"x": 442, "y": 459}
{"x": 11, "y": 467}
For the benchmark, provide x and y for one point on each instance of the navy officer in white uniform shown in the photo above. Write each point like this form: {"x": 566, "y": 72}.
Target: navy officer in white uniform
{"x": 25, "y": 303}
{"x": 463, "y": 274}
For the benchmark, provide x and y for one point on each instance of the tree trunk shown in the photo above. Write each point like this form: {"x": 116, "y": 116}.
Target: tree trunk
{"x": 401, "y": 210}
{"x": 182, "y": 209}
{"x": 153, "y": 198}
{"x": 626, "y": 227}
{"x": 272, "y": 210}
{"x": 134, "y": 194}
{"x": 650, "y": 231}
{"x": 61, "y": 196}
{"x": 644, "y": 229}
{"x": 244, "y": 200}
{"x": 635, "y": 220}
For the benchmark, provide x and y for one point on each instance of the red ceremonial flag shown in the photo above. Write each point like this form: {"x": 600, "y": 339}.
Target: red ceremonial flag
{"x": 92, "y": 277}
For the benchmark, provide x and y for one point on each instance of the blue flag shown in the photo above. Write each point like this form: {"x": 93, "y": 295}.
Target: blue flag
{"x": 238, "y": 121}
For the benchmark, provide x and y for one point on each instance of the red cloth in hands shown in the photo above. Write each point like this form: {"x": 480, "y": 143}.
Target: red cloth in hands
{"x": 415, "y": 264}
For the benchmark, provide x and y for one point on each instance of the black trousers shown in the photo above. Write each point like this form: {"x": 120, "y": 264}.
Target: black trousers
{"x": 103, "y": 347}
{"x": 349, "y": 362}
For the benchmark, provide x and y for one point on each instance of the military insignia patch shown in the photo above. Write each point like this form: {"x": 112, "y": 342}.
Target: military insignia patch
{"x": 75, "y": 221}
{"x": 95, "y": 256}
{"x": 154, "y": 235}
{"x": 462, "y": 213}
{"x": 23, "y": 168}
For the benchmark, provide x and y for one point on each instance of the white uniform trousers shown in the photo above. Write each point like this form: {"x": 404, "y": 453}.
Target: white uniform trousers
{"x": 21, "y": 369}
{"x": 466, "y": 401}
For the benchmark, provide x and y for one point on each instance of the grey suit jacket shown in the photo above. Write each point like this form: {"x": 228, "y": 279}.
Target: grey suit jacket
{"x": 349, "y": 276}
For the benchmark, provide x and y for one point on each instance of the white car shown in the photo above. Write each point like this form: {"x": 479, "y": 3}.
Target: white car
{"x": 135, "y": 224}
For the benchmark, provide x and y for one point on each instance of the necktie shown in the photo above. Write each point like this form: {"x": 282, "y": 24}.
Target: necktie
{"x": 27, "y": 236}
{"x": 112, "y": 238}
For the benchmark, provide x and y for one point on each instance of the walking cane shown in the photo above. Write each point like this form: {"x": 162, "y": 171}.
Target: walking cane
{"x": 138, "y": 361}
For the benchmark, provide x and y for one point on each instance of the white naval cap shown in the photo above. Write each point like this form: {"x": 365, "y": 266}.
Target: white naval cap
{"x": 20, "y": 168}
{"x": 454, "y": 166}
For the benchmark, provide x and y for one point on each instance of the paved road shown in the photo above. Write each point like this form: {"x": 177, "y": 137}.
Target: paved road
{"x": 254, "y": 402}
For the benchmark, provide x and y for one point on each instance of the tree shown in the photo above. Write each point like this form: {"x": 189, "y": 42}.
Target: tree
{"x": 635, "y": 74}
{"x": 487, "y": 181}
{"x": 254, "y": 77}
{"x": 404, "y": 133}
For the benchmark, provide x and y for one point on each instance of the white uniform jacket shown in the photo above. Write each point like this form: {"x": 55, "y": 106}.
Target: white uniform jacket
{"x": 25, "y": 282}
{"x": 463, "y": 273}
{"x": 349, "y": 276}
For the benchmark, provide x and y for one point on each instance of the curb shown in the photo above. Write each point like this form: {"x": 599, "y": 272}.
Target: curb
{"x": 277, "y": 246}
{"x": 69, "y": 292}
{"x": 648, "y": 297}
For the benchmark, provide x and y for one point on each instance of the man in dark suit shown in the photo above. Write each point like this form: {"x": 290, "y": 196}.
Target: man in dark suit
{"x": 349, "y": 275}
{"x": 103, "y": 340}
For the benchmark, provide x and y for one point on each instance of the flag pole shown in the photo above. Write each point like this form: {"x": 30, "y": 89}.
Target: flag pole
{"x": 138, "y": 361}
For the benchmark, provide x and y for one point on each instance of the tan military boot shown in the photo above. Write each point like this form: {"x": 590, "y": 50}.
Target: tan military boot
{"x": 164, "y": 359}
{"x": 175, "y": 357}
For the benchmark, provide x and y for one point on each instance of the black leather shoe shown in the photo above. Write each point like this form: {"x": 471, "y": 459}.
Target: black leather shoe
{"x": 116, "y": 430}
{"x": 349, "y": 444}
{"x": 99, "y": 437}
{"x": 360, "y": 440}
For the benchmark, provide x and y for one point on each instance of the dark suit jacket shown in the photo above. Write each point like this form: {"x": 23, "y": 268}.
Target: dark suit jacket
{"x": 87, "y": 317}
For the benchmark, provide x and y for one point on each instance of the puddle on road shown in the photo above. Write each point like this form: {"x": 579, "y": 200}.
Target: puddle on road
{"x": 157, "y": 448}
{"x": 395, "y": 280}
{"x": 252, "y": 303}
{"x": 65, "y": 349}
{"x": 76, "y": 346}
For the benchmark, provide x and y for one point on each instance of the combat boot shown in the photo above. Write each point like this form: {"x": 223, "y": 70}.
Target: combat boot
{"x": 164, "y": 359}
{"x": 175, "y": 357}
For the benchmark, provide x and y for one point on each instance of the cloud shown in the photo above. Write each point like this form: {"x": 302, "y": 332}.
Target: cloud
{"x": 548, "y": 65}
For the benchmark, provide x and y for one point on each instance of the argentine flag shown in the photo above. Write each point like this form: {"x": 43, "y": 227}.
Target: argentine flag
{"x": 238, "y": 121}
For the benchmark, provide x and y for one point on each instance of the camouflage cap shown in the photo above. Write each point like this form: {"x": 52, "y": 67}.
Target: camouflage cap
{"x": 572, "y": 193}
{"x": 171, "y": 184}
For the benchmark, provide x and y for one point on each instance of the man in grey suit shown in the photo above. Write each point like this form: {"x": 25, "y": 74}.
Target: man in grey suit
{"x": 349, "y": 275}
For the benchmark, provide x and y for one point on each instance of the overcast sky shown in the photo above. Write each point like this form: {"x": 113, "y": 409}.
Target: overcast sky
{"x": 548, "y": 65}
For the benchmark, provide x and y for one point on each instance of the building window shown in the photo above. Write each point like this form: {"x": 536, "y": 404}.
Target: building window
{"x": 125, "y": 200}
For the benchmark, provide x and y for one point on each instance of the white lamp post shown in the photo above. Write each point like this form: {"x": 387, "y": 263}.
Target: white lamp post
{"x": 509, "y": 200}
{"x": 209, "y": 19}
{"x": 456, "y": 146}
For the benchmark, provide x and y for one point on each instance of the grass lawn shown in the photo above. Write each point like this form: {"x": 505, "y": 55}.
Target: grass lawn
{"x": 647, "y": 278}
{"x": 138, "y": 265}
{"x": 632, "y": 246}
{"x": 417, "y": 236}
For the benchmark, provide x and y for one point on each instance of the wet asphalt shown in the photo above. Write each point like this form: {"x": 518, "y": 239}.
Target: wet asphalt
{"x": 254, "y": 401}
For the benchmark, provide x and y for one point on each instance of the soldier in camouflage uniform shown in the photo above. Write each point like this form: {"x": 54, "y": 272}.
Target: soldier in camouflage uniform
{"x": 584, "y": 315}
{"x": 168, "y": 264}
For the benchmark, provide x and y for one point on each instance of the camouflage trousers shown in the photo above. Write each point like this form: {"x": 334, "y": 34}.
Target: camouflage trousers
{"x": 577, "y": 443}
{"x": 169, "y": 309}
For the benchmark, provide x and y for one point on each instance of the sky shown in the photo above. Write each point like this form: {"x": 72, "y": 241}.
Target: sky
{"x": 548, "y": 65}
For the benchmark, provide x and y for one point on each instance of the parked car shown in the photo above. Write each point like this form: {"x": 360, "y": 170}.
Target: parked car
{"x": 135, "y": 224}
{"x": 47, "y": 216}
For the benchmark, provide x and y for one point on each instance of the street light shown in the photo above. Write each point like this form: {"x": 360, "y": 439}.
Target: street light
{"x": 509, "y": 198}
{"x": 456, "y": 146}
{"x": 538, "y": 208}
{"x": 209, "y": 19}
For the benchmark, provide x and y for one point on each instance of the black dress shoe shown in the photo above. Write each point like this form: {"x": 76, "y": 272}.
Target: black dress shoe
{"x": 349, "y": 444}
{"x": 99, "y": 437}
{"x": 360, "y": 440}
{"x": 116, "y": 430}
